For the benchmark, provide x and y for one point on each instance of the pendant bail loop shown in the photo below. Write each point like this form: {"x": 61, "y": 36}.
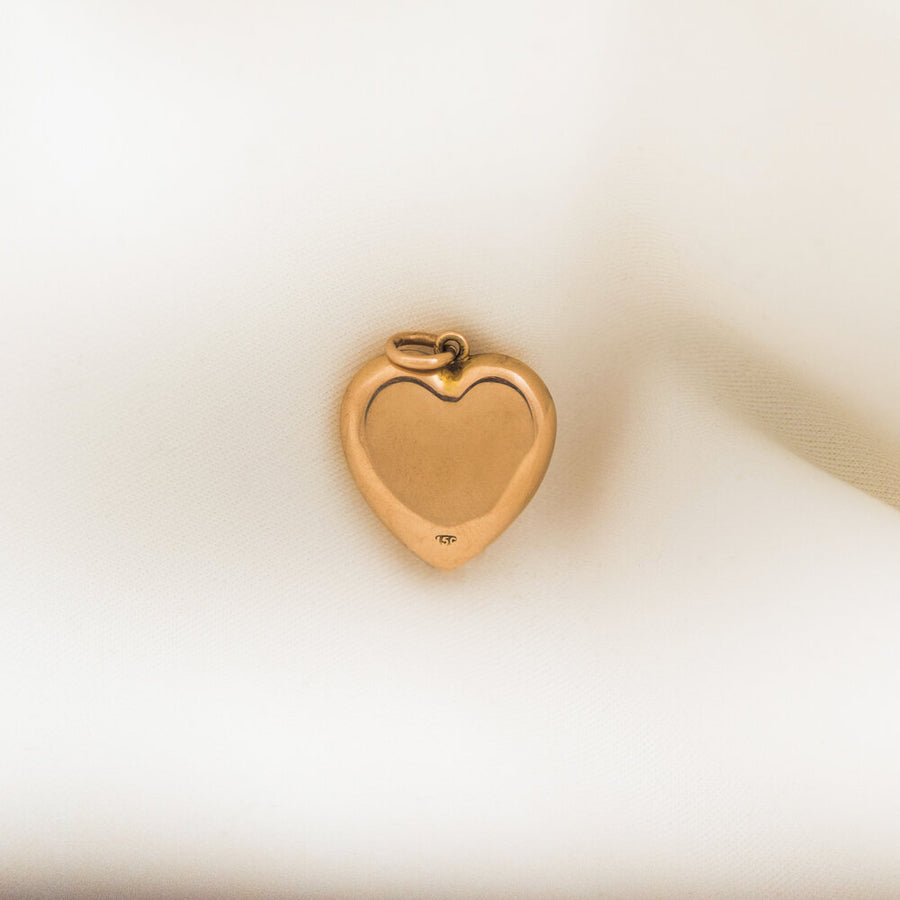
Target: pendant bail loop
{"x": 407, "y": 350}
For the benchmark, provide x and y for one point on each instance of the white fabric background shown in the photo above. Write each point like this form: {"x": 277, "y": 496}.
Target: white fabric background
{"x": 675, "y": 675}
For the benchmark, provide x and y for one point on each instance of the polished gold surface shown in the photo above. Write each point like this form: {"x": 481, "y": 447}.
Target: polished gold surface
{"x": 447, "y": 451}
{"x": 450, "y": 462}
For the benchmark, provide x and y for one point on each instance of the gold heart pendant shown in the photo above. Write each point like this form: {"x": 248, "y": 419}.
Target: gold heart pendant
{"x": 446, "y": 448}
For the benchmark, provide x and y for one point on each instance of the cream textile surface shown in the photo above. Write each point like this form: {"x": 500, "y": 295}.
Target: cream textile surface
{"x": 677, "y": 674}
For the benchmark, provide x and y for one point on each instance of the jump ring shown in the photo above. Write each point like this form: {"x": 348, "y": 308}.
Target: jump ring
{"x": 413, "y": 360}
{"x": 452, "y": 337}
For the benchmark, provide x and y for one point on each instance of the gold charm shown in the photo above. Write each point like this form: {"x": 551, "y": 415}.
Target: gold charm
{"x": 446, "y": 448}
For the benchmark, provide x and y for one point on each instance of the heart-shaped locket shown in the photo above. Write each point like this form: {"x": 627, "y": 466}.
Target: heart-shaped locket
{"x": 446, "y": 448}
